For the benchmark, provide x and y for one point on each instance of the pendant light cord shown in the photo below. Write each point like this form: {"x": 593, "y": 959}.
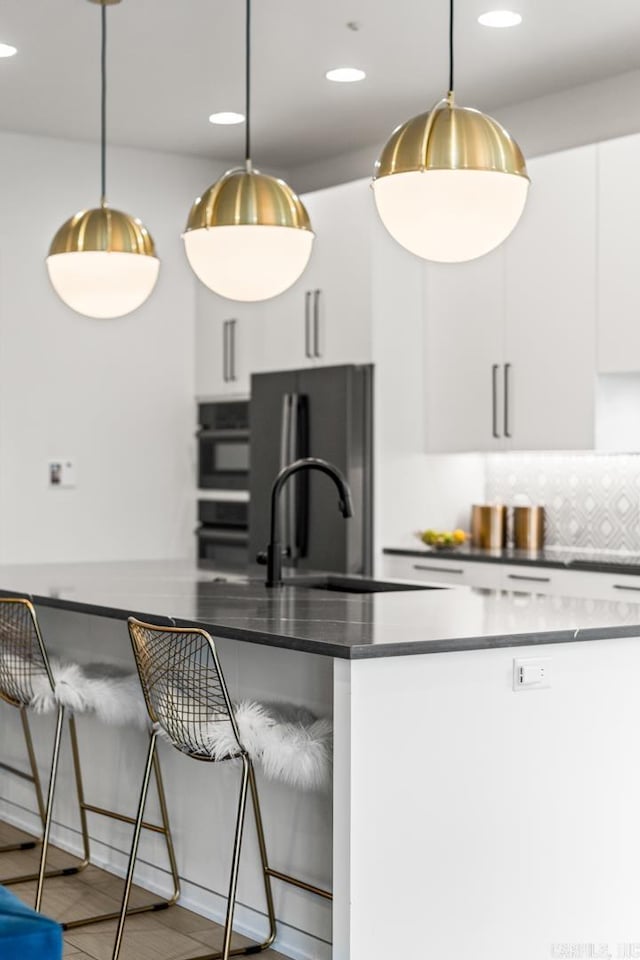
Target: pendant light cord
{"x": 450, "y": 47}
{"x": 103, "y": 108}
{"x": 247, "y": 122}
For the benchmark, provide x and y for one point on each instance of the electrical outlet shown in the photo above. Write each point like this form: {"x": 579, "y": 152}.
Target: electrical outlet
{"x": 62, "y": 473}
{"x": 532, "y": 674}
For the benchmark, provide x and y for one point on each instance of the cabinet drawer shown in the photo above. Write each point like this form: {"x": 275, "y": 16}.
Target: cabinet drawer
{"x": 606, "y": 586}
{"x": 450, "y": 571}
{"x": 528, "y": 579}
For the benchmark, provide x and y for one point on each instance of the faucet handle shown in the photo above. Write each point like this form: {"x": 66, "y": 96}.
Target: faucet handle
{"x": 261, "y": 558}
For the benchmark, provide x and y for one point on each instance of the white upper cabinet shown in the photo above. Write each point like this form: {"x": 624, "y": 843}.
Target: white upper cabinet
{"x": 510, "y": 342}
{"x": 550, "y": 307}
{"x": 618, "y": 255}
{"x": 464, "y": 345}
{"x": 324, "y": 318}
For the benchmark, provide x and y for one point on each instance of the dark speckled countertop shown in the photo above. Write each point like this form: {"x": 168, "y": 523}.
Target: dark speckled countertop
{"x": 350, "y": 626}
{"x": 558, "y": 558}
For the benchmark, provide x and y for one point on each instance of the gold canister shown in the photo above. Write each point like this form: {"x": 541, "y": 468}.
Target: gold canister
{"x": 528, "y": 528}
{"x": 489, "y": 526}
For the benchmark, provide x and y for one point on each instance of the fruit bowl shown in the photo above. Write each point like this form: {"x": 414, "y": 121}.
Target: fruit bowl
{"x": 443, "y": 539}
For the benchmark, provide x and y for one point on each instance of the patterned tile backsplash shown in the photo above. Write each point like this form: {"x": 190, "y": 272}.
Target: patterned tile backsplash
{"x": 592, "y": 501}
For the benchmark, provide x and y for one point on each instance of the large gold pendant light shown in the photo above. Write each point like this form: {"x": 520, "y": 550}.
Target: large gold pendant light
{"x": 450, "y": 184}
{"x": 102, "y": 262}
{"x": 248, "y": 237}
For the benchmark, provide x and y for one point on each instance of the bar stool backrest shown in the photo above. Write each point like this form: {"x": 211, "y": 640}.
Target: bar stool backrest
{"x": 183, "y": 686}
{"x": 24, "y": 664}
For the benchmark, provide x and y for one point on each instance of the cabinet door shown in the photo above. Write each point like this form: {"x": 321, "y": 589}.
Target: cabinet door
{"x": 228, "y": 345}
{"x": 339, "y": 273}
{"x": 277, "y": 328}
{"x": 464, "y": 305}
{"x": 550, "y": 307}
{"x": 618, "y": 287}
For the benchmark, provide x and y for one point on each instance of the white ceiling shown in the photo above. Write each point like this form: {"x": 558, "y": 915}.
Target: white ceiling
{"x": 173, "y": 62}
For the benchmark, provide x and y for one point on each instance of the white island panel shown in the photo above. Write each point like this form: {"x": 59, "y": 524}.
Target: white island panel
{"x": 484, "y": 822}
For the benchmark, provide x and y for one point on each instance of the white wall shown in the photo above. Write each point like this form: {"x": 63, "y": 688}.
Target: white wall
{"x": 570, "y": 118}
{"x": 116, "y": 395}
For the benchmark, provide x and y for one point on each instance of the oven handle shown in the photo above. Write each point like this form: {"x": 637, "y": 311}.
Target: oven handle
{"x": 208, "y": 433}
{"x": 219, "y": 535}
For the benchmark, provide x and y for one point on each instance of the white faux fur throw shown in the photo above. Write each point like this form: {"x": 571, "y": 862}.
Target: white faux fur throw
{"x": 115, "y": 696}
{"x": 289, "y": 743}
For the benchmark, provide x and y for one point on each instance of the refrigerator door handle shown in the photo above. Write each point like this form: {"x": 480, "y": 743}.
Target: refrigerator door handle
{"x": 284, "y": 452}
{"x": 303, "y": 479}
{"x": 292, "y": 482}
{"x": 307, "y": 325}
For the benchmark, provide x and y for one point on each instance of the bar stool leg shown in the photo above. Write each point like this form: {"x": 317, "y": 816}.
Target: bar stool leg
{"x": 166, "y": 830}
{"x": 37, "y": 785}
{"x": 33, "y": 777}
{"x": 50, "y": 798}
{"x": 235, "y": 861}
{"x": 268, "y": 892}
{"x": 77, "y": 769}
{"x": 134, "y": 846}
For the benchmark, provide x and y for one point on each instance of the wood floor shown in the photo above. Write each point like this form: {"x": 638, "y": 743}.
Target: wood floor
{"x": 174, "y": 934}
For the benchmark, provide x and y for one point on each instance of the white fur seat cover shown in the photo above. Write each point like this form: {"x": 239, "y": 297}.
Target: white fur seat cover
{"x": 112, "y": 694}
{"x": 289, "y": 743}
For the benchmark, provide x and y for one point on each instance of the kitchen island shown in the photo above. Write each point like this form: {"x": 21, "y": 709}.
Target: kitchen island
{"x": 469, "y": 816}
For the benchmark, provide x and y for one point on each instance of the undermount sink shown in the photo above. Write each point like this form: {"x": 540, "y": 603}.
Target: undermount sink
{"x": 344, "y": 584}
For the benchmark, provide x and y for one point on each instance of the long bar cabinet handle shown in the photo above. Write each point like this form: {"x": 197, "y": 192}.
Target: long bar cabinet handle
{"x": 507, "y": 371}
{"x": 225, "y": 351}
{"x": 307, "y": 321}
{"x": 494, "y": 400}
{"x": 316, "y": 324}
{"x": 438, "y": 569}
{"x": 624, "y": 586}
{"x": 521, "y": 576}
{"x": 232, "y": 353}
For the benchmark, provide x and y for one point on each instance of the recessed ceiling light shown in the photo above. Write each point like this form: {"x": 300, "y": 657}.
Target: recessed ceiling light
{"x": 345, "y": 75}
{"x": 226, "y": 117}
{"x": 6, "y": 50}
{"x": 500, "y": 18}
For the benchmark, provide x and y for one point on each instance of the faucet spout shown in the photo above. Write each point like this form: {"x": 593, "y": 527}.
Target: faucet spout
{"x": 345, "y": 504}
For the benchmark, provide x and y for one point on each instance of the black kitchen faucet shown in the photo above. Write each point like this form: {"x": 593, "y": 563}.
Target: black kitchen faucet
{"x": 273, "y": 556}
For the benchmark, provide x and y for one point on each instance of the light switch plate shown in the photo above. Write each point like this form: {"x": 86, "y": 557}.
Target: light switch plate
{"x": 532, "y": 673}
{"x": 62, "y": 473}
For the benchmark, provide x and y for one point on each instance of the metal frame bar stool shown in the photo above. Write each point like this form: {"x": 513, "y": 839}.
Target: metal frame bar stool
{"x": 28, "y": 676}
{"x": 185, "y": 693}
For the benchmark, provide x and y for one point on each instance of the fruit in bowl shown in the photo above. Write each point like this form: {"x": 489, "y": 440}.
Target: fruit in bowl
{"x": 443, "y": 539}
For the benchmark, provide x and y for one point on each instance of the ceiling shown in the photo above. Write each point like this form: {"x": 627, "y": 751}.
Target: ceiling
{"x": 173, "y": 62}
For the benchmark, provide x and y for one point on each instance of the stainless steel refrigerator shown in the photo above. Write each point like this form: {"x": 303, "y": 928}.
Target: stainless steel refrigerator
{"x": 323, "y": 412}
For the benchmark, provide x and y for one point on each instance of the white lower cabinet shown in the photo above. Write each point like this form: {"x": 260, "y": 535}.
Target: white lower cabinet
{"x": 452, "y": 572}
{"x": 515, "y": 578}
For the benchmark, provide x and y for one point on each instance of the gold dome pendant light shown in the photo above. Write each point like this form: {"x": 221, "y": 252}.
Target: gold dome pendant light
{"x": 248, "y": 237}
{"x": 102, "y": 262}
{"x": 450, "y": 184}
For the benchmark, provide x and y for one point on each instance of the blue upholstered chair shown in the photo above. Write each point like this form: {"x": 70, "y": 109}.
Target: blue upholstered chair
{"x": 25, "y": 934}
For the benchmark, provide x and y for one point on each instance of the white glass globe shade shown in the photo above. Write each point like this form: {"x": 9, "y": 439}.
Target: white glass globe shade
{"x": 450, "y": 215}
{"x": 246, "y": 261}
{"x": 103, "y": 284}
